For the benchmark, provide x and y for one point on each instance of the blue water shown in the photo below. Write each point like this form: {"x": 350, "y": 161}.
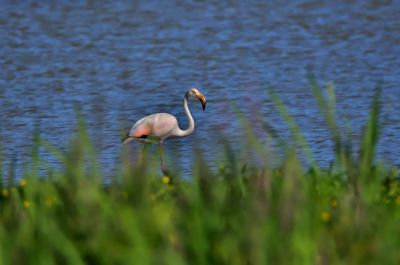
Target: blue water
{"x": 120, "y": 61}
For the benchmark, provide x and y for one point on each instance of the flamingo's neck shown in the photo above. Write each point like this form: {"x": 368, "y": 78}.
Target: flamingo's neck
{"x": 190, "y": 128}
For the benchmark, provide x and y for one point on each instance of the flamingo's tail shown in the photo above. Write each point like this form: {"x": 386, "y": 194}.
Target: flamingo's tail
{"x": 126, "y": 139}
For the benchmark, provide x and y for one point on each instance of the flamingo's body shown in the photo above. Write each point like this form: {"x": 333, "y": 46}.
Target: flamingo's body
{"x": 158, "y": 127}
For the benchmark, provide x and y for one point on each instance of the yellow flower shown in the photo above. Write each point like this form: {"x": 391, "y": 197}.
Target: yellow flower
{"x": 50, "y": 200}
{"x": 334, "y": 203}
{"x": 4, "y": 192}
{"x": 398, "y": 200}
{"x": 318, "y": 259}
{"x": 26, "y": 204}
{"x": 22, "y": 182}
{"x": 172, "y": 239}
{"x": 166, "y": 179}
{"x": 325, "y": 216}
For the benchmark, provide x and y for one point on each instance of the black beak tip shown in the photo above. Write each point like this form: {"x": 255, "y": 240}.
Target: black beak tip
{"x": 203, "y": 105}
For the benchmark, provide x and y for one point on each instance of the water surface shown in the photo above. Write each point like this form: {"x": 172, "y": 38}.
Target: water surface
{"x": 121, "y": 61}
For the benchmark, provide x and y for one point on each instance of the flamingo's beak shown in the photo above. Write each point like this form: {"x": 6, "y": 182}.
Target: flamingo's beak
{"x": 202, "y": 100}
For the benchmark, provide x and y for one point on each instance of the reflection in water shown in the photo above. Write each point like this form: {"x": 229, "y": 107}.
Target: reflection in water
{"x": 122, "y": 61}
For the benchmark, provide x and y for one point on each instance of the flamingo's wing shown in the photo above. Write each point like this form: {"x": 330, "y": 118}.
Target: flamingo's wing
{"x": 140, "y": 130}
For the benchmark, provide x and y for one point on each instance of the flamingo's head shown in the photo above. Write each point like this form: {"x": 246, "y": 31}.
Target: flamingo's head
{"x": 194, "y": 92}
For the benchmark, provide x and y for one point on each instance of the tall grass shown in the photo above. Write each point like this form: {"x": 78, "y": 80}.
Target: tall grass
{"x": 241, "y": 214}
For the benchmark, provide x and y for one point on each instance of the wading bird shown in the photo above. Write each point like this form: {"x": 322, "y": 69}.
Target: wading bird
{"x": 158, "y": 127}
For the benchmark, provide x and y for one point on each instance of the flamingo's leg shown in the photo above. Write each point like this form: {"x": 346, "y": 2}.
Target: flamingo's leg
{"x": 163, "y": 167}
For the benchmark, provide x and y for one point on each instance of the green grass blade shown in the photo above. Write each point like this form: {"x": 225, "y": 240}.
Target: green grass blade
{"x": 328, "y": 108}
{"x": 294, "y": 128}
{"x": 370, "y": 137}
{"x": 251, "y": 135}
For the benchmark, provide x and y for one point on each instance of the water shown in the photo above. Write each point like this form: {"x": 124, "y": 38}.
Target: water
{"x": 121, "y": 61}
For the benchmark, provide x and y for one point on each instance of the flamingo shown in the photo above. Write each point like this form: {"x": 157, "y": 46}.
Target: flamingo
{"x": 158, "y": 127}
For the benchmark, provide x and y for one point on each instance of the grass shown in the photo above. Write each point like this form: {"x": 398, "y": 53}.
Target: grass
{"x": 348, "y": 213}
